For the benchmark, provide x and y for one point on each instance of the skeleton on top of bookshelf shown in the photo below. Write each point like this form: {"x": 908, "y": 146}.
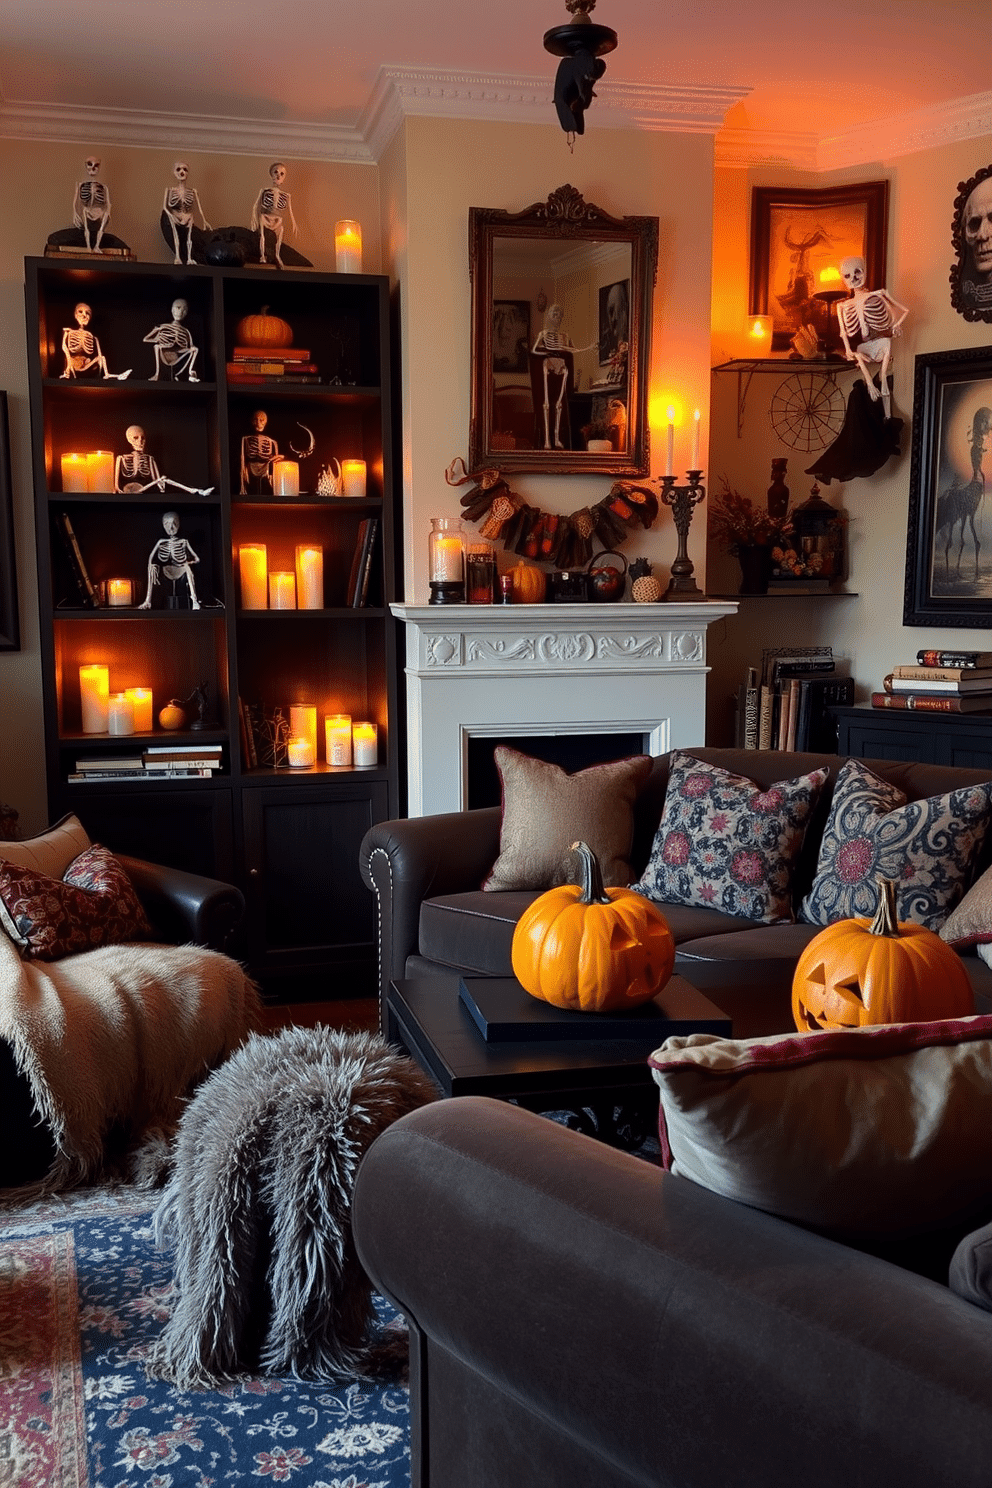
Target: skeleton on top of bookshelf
{"x": 172, "y": 557}
{"x": 81, "y": 348}
{"x": 91, "y": 206}
{"x": 180, "y": 206}
{"x": 137, "y": 471}
{"x": 271, "y": 206}
{"x": 174, "y": 349}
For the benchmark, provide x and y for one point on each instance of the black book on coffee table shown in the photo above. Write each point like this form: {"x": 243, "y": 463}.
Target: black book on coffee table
{"x": 504, "y": 1013}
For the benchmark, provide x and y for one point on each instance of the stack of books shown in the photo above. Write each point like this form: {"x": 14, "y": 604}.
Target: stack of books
{"x": 279, "y": 364}
{"x": 787, "y": 705}
{"x": 157, "y": 762}
{"x": 940, "y": 682}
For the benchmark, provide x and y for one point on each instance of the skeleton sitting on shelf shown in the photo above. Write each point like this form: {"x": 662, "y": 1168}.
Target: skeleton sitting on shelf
{"x": 91, "y": 206}
{"x": 174, "y": 349}
{"x": 82, "y": 350}
{"x": 180, "y": 205}
{"x": 258, "y": 451}
{"x": 137, "y": 471}
{"x": 173, "y": 557}
{"x": 868, "y": 321}
{"x": 271, "y": 206}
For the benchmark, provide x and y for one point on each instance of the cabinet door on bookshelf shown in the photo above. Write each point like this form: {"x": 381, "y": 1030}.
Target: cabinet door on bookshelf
{"x": 930, "y": 738}
{"x": 188, "y": 829}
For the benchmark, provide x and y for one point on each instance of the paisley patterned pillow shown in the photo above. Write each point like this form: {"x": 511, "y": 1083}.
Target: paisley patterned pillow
{"x": 93, "y": 905}
{"x": 927, "y": 847}
{"x": 724, "y": 843}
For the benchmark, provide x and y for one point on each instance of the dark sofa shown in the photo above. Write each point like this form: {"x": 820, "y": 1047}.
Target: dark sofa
{"x": 581, "y": 1319}
{"x": 434, "y": 918}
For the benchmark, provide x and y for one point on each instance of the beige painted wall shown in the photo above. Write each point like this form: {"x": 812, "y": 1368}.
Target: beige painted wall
{"x": 867, "y": 630}
{"x": 227, "y": 185}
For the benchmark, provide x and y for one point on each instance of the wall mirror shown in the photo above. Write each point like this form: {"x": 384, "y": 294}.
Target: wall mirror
{"x": 561, "y": 337}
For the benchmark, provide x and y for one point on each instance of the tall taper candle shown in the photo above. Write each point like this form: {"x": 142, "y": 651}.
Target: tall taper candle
{"x": 670, "y": 455}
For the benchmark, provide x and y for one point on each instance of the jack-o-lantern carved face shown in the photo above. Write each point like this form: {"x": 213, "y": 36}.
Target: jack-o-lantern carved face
{"x": 863, "y": 972}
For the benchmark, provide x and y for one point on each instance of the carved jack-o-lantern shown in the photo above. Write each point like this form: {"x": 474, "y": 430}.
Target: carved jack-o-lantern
{"x": 860, "y": 972}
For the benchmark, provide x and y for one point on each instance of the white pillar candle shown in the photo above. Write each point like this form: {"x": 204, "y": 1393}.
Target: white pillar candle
{"x": 100, "y": 470}
{"x": 337, "y": 738}
{"x": 303, "y": 725}
{"x": 74, "y": 473}
{"x": 670, "y": 453}
{"x": 253, "y": 562}
{"x": 353, "y": 478}
{"x": 141, "y": 703}
{"x": 348, "y": 246}
{"x": 119, "y": 593}
{"x": 286, "y": 477}
{"x": 695, "y": 441}
{"x": 309, "y": 577}
{"x": 94, "y": 691}
{"x": 120, "y": 714}
{"x": 282, "y": 590}
{"x": 301, "y": 754}
{"x": 365, "y": 744}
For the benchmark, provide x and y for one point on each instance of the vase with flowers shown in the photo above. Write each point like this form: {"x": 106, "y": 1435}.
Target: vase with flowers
{"x": 750, "y": 533}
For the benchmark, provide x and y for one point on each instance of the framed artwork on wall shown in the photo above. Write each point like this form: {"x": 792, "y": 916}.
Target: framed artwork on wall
{"x": 511, "y": 335}
{"x": 614, "y": 319}
{"x": 971, "y": 239}
{"x": 798, "y": 238}
{"x": 10, "y": 634}
{"x": 948, "y": 566}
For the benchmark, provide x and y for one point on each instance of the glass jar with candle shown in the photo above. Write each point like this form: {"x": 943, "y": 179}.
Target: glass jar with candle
{"x": 447, "y": 561}
{"x": 480, "y": 572}
{"x": 348, "y": 246}
{"x": 337, "y": 738}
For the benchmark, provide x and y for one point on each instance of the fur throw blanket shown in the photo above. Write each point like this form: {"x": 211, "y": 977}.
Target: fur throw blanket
{"x": 112, "y": 1040}
{"x": 258, "y": 1209}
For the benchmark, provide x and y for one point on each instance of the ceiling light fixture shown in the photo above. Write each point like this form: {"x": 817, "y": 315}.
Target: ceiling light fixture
{"x": 581, "y": 45}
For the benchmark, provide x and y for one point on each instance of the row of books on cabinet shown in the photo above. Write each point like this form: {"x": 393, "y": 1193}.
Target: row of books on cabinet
{"x": 948, "y": 681}
{"x": 786, "y": 703}
{"x": 158, "y": 762}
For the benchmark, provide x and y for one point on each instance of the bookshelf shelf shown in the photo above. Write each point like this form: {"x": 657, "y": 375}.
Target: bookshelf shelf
{"x": 289, "y": 838}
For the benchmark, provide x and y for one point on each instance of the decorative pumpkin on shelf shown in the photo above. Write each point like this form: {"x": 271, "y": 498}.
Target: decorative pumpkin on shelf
{"x": 263, "y": 330}
{"x": 530, "y": 584}
{"x": 591, "y": 949}
{"x": 860, "y": 972}
{"x": 173, "y": 715}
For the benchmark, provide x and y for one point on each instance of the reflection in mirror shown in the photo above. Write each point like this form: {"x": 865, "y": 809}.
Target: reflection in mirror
{"x": 561, "y": 316}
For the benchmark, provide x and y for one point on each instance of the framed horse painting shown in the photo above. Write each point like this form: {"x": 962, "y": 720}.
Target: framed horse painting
{"x": 949, "y": 543}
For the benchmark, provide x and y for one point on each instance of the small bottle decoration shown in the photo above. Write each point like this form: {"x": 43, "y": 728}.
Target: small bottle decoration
{"x": 778, "y": 491}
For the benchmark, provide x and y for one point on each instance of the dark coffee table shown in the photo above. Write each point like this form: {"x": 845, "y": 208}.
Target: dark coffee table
{"x": 605, "y": 1085}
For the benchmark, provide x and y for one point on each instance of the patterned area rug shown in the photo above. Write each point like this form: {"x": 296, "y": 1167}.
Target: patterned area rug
{"x": 83, "y": 1295}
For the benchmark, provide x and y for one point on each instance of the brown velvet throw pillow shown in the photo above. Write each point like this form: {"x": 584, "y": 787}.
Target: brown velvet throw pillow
{"x": 545, "y": 811}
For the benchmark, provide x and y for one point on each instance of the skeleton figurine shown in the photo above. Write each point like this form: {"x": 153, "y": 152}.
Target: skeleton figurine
{"x": 81, "y": 349}
{"x": 174, "y": 349}
{"x": 137, "y": 471}
{"x": 556, "y": 350}
{"x": 258, "y": 451}
{"x": 271, "y": 205}
{"x": 91, "y": 206}
{"x": 173, "y": 557}
{"x": 180, "y": 205}
{"x": 868, "y": 321}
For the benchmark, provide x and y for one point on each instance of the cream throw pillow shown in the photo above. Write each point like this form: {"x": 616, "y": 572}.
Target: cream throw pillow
{"x": 51, "y": 851}
{"x": 545, "y": 811}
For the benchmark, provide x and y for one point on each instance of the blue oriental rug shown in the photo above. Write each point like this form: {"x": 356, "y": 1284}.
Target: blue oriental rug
{"x": 83, "y": 1296}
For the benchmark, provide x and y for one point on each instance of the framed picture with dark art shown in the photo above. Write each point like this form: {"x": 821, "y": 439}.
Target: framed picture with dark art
{"x": 10, "y": 633}
{"x": 971, "y": 239}
{"x": 511, "y": 335}
{"x": 948, "y": 565}
{"x": 798, "y": 239}
{"x": 614, "y": 318}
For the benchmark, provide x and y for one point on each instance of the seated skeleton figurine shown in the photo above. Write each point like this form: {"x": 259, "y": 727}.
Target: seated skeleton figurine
{"x": 174, "y": 349}
{"x": 271, "y": 205}
{"x": 258, "y": 451}
{"x": 81, "y": 349}
{"x": 173, "y": 557}
{"x": 137, "y": 471}
{"x": 868, "y": 321}
{"x": 91, "y": 206}
{"x": 180, "y": 205}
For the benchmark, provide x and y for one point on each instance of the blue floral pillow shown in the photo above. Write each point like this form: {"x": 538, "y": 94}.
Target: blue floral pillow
{"x": 724, "y": 843}
{"x": 928, "y": 848}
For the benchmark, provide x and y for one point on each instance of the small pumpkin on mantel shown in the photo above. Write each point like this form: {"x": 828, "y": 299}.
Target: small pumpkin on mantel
{"x": 590, "y": 949}
{"x": 264, "y": 330}
{"x": 859, "y": 972}
{"x": 529, "y": 583}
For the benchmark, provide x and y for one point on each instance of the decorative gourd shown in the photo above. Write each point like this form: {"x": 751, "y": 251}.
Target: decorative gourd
{"x": 173, "y": 715}
{"x": 530, "y": 584}
{"x": 644, "y": 587}
{"x": 591, "y": 949}
{"x": 860, "y": 972}
{"x": 263, "y": 330}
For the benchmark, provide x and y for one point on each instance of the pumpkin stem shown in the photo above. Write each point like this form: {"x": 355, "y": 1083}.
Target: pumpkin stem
{"x": 591, "y": 885}
{"x": 885, "y": 922}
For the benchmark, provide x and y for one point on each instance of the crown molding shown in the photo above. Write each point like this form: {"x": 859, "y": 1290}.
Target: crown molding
{"x": 883, "y": 139}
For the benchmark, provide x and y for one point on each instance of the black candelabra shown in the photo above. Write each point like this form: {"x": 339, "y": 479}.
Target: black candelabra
{"x": 683, "y": 501}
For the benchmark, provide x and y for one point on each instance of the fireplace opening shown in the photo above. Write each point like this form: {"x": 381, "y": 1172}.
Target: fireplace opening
{"x": 572, "y": 751}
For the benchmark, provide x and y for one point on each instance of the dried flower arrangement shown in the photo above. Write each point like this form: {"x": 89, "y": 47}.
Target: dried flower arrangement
{"x": 735, "y": 522}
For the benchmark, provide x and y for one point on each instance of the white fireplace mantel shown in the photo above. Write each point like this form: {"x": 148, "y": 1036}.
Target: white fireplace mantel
{"x": 517, "y": 670}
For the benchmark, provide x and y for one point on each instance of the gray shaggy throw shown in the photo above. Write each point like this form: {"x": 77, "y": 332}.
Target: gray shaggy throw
{"x": 258, "y": 1209}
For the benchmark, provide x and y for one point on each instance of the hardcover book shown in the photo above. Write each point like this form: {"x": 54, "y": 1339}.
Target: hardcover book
{"x": 504, "y": 1013}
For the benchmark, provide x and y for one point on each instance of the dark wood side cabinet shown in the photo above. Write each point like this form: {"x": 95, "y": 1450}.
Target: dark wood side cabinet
{"x": 288, "y": 836}
{"x": 902, "y": 734}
